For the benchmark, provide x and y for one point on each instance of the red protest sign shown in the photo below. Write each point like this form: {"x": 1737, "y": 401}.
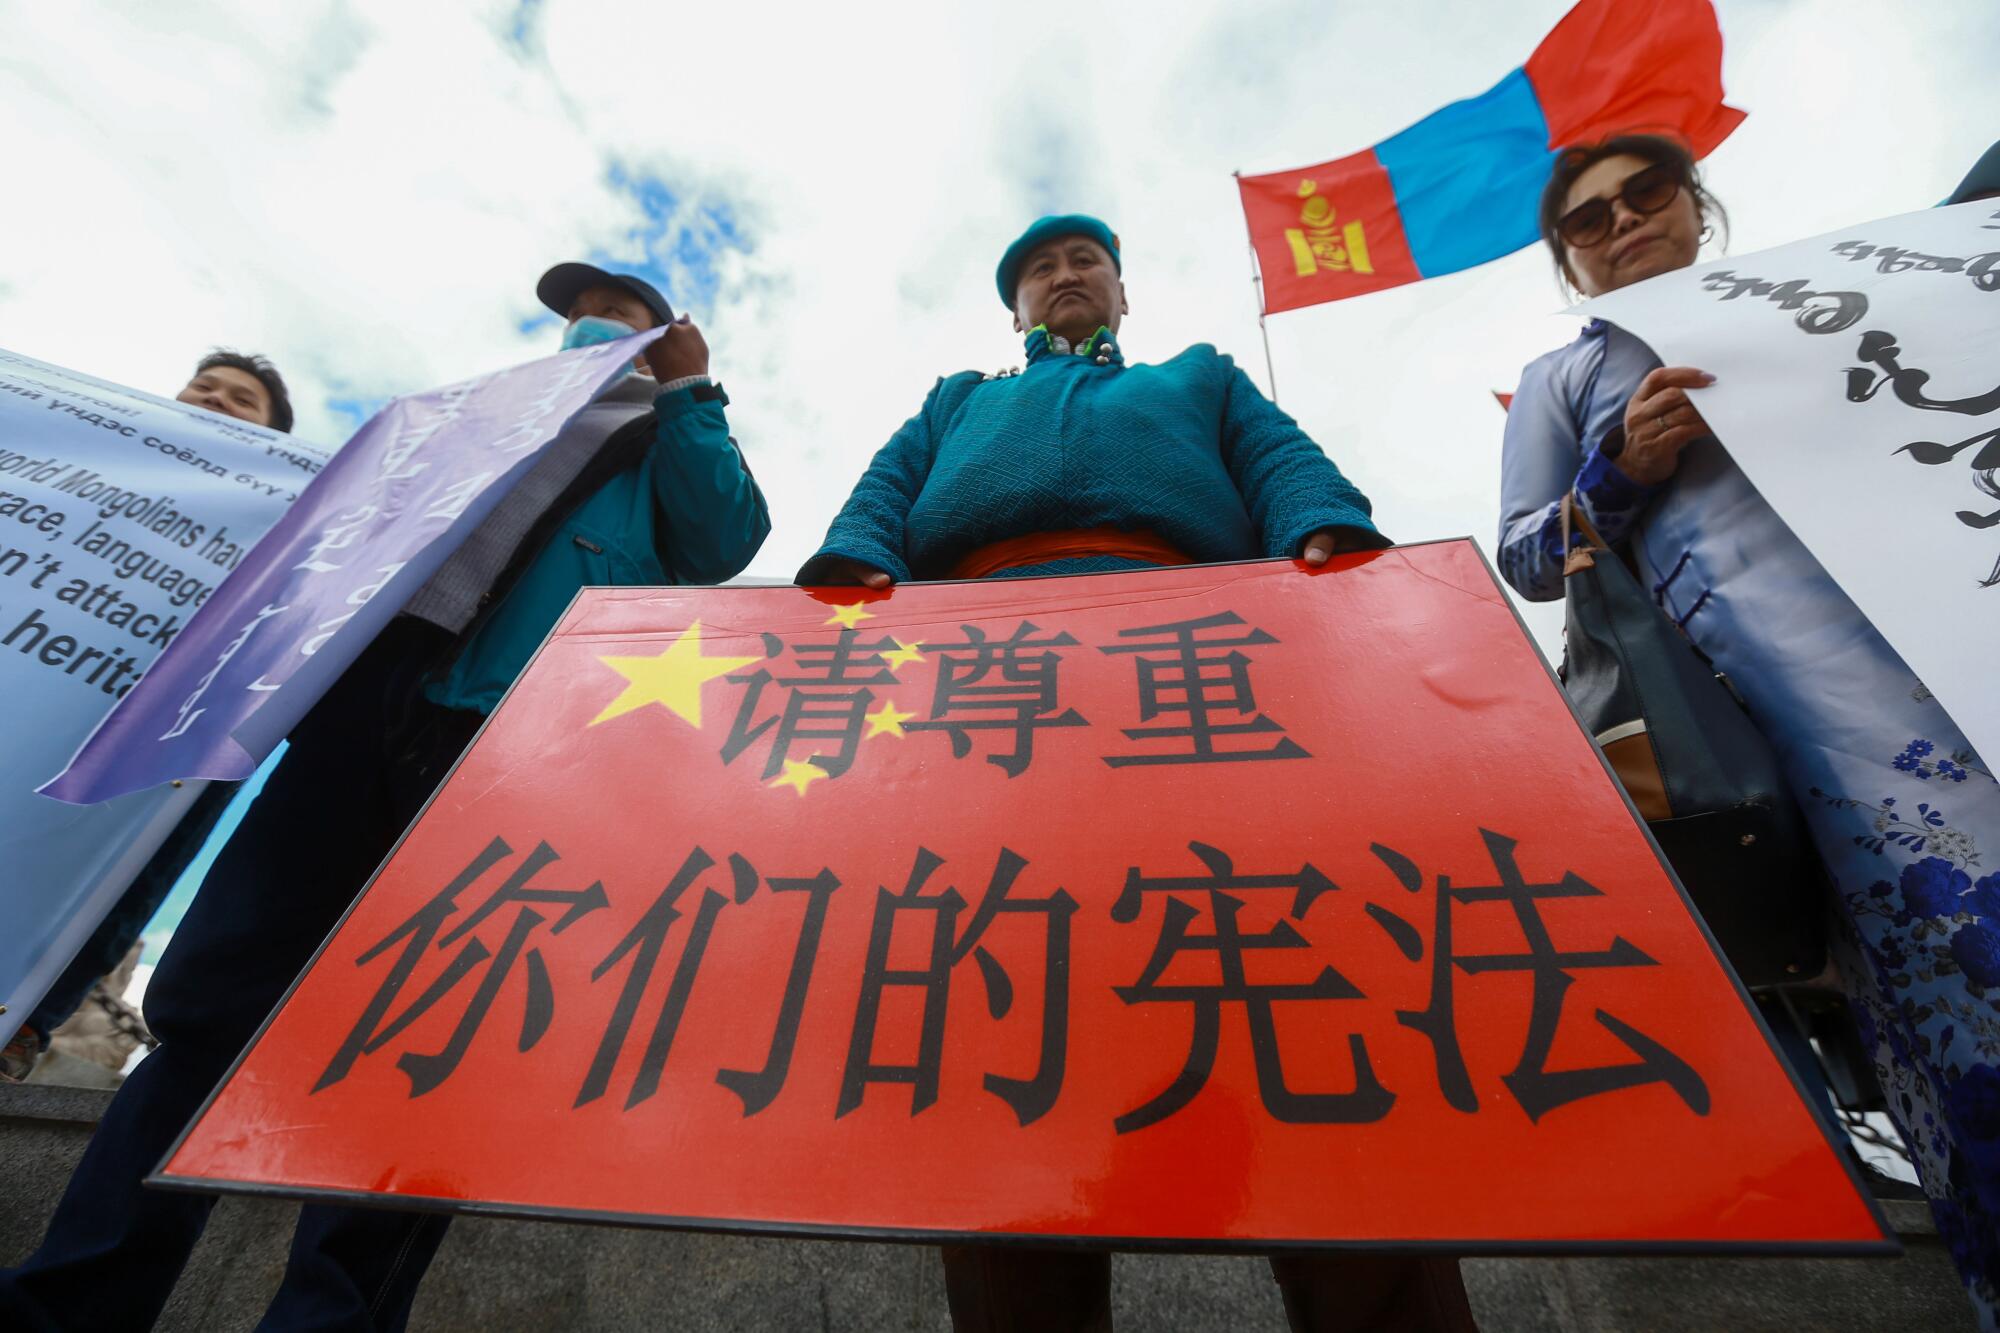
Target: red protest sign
{"x": 1216, "y": 906}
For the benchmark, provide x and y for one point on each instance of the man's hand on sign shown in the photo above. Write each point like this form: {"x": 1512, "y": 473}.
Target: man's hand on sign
{"x": 1660, "y": 422}
{"x": 1323, "y": 545}
{"x": 840, "y": 572}
{"x": 681, "y": 351}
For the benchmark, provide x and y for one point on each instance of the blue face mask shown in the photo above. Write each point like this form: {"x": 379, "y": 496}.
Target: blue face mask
{"x": 589, "y": 330}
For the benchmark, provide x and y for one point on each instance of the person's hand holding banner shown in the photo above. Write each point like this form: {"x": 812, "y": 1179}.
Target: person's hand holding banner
{"x": 1660, "y": 422}
{"x": 680, "y": 352}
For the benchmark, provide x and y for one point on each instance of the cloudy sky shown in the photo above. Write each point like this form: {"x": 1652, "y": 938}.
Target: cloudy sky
{"x": 366, "y": 192}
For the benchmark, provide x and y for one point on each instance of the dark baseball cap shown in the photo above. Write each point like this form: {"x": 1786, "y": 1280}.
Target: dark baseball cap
{"x": 561, "y": 285}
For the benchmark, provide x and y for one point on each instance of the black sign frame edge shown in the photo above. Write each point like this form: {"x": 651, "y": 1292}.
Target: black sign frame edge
{"x": 1554, "y": 1248}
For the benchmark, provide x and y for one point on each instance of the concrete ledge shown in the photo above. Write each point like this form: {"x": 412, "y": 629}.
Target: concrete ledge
{"x": 53, "y": 1102}
{"x": 494, "y": 1275}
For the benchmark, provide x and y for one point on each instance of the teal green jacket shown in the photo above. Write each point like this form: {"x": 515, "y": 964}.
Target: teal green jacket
{"x": 669, "y": 499}
{"x": 1187, "y": 449}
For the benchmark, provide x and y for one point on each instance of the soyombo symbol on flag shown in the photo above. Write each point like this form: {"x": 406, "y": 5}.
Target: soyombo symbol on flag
{"x": 1461, "y": 186}
{"x": 1217, "y": 906}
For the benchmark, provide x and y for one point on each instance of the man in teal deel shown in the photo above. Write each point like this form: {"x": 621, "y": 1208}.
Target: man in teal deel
{"x": 1084, "y": 464}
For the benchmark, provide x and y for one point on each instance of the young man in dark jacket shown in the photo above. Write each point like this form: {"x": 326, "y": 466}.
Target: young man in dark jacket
{"x": 644, "y": 486}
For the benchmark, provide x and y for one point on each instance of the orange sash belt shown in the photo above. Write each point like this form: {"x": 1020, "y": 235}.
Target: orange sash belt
{"x": 1038, "y": 548}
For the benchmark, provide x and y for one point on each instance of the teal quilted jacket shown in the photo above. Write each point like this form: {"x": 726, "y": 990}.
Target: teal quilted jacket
{"x": 1188, "y": 449}
{"x": 680, "y": 507}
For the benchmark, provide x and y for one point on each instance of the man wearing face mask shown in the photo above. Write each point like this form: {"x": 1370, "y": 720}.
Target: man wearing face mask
{"x": 645, "y": 486}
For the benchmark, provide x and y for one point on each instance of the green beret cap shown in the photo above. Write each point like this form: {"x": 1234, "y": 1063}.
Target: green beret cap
{"x": 1008, "y": 276}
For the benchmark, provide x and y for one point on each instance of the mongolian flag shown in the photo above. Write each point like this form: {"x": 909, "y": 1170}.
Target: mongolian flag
{"x": 1462, "y": 186}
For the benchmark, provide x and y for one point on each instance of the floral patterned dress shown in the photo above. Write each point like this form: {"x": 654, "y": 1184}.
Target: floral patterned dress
{"x": 1905, "y": 814}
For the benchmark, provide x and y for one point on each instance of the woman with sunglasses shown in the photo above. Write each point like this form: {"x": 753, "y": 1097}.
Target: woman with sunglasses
{"x": 1904, "y": 813}
{"x": 1602, "y": 416}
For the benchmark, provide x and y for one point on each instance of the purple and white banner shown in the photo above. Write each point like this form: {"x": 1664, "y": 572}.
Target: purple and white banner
{"x": 395, "y": 501}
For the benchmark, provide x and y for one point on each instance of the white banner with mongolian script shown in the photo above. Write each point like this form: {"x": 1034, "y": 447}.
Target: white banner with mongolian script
{"x": 1858, "y": 386}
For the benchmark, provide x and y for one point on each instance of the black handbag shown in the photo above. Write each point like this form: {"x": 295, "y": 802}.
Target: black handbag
{"x": 1702, "y": 776}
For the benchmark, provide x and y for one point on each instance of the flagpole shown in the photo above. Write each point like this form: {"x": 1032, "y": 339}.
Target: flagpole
{"x": 1271, "y": 373}
{"x": 1257, "y": 287}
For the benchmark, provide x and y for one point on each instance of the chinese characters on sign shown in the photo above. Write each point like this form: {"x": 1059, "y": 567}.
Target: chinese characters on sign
{"x": 990, "y": 907}
{"x": 843, "y": 690}
{"x": 434, "y": 965}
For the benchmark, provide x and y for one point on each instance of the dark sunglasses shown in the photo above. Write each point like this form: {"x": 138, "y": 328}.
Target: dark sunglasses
{"x": 1644, "y": 192}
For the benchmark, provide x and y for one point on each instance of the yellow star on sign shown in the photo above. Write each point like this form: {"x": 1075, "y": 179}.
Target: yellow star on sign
{"x": 905, "y": 653}
{"x": 851, "y": 615}
{"x": 798, "y": 775}
{"x": 673, "y": 679}
{"x": 887, "y": 721}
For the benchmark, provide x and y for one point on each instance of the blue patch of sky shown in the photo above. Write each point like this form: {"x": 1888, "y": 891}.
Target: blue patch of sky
{"x": 521, "y": 24}
{"x": 161, "y": 928}
{"x": 1048, "y": 165}
{"x": 355, "y": 410}
{"x": 675, "y": 247}
{"x": 537, "y": 323}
